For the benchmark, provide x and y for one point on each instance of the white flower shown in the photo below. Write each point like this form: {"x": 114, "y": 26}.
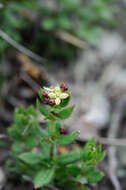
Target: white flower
{"x": 57, "y": 89}
{"x": 55, "y": 93}
{"x": 64, "y": 95}
{"x": 57, "y": 101}
{"x": 48, "y": 89}
{"x": 52, "y": 95}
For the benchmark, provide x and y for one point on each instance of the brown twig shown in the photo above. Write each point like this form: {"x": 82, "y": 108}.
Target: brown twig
{"x": 69, "y": 38}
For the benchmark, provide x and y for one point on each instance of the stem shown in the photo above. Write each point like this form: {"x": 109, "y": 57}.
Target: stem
{"x": 52, "y": 134}
{"x": 52, "y": 150}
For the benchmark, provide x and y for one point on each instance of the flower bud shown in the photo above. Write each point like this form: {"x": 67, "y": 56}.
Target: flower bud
{"x": 45, "y": 94}
{"x": 51, "y": 102}
{"x": 62, "y": 131}
{"x": 64, "y": 87}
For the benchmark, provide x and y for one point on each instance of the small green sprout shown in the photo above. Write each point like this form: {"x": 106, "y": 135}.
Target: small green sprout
{"x": 34, "y": 150}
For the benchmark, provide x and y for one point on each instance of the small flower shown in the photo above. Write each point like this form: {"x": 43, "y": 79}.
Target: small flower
{"x": 55, "y": 94}
{"x": 45, "y": 94}
{"x": 62, "y": 131}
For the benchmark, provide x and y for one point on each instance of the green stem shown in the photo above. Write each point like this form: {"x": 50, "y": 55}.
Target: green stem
{"x": 53, "y": 129}
{"x": 52, "y": 149}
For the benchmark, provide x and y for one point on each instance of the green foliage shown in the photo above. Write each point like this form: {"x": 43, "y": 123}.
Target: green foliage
{"x": 44, "y": 111}
{"x": 68, "y": 158}
{"x": 65, "y": 113}
{"x": 34, "y": 150}
{"x": 30, "y": 158}
{"x": 67, "y": 139}
{"x": 43, "y": 177}
{"x": 83, "y": 19}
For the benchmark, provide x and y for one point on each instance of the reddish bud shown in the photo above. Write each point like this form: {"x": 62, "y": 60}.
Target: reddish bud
{"x": 45, "y": 94}
{"x": 64, "y": 87}
{"x": 51, "y": 102}
{"x": 62, "y": 131}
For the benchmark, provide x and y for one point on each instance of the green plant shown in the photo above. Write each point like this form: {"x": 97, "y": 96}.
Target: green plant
{"x": 34, "y": 150}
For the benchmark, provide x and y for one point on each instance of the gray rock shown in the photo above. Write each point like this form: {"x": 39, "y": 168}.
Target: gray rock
{"x": 110, "y": 45}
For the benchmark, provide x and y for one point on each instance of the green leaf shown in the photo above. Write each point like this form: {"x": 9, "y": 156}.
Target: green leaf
{"x": 14, "y": 134}
{"x": 42, "y": 109}
{"x": 68, "y": 158}
{"x": 30, "y": 110}
{"x": 93, "y": 175}
{"x": 17, "y": 147}
{"x": 45, "y": 148}
{"x": 30, "y": 158}
{"x": 81, "y": 179}
{"x": 20, "y": 110}
{"x": 41, "y": 132}
{"x": 65, "y": 113}
{"x": 89, "y": 152}
{"x": 43, "y": 177}
{"x": 101, "y": 156}
{"x": 31, "y": 142}
{"x": 74, "y": 169}
{"x": 67, "y": 139}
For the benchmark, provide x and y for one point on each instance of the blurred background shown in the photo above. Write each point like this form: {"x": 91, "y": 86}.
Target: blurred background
{"x": 80, "y": 42}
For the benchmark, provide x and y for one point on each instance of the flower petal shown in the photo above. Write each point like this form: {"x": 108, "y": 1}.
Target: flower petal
{"x": 57, "y": 89}
{"x": 57, "y": 101}
{"x": 52, "y": 95}
{"x": 64, "y": 95}
{"x": 48, "y": 89}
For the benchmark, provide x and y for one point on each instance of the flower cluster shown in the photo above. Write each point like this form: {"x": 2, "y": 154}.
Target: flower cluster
{"x": 55, "y": 95}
